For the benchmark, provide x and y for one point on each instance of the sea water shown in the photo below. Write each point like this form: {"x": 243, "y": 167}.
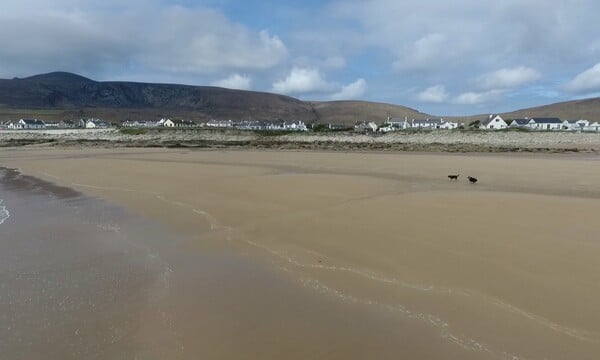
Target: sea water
{"x": 76, "y": 274}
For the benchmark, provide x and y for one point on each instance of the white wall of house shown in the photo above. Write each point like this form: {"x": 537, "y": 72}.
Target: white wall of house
{"x": 578, "y": 125}
{"x": 423, "y": 124}
{"x": 398, "y": 123}
{"x": 547, "y": 126}
{"x": 220, "y": 123}
{"x": 495, "y": 123}
{"x": 295, "y": 126}
{"x": 595, "y": 126}
{"x": 25, "y": 125}
{"x": 365, "y": 126}
{"x": 448, "y": 125}
{"x": 96, "y": 124}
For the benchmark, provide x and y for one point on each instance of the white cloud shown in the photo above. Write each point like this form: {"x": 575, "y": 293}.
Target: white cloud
{"x": 335, "y": 62}
{"x": 437, "y": 41}
{"x": 472, "y": 98}
{"x": 354, "y": 90}
{"x": 303, "y": 81}
{"x": 508, "y": 78}
{"x": 423, "y": 53}
{"x": 134, "y": 37}
{"x": 586, "y": 82}
{"x": 434, "y": 94}
{"x": 205, "y": 41}
{"x": 310, "y": 81}
{"x": 235, "y": 81}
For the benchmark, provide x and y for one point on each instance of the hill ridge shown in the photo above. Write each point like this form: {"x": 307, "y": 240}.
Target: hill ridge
{"x": 60, "y": 94}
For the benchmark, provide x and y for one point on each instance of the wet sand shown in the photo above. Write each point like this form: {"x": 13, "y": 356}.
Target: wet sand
{"x": 333, "y": 255}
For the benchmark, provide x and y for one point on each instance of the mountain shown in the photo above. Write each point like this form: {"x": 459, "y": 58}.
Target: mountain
{"x": 588, "y": 109}
{"x": 59, "y": 94}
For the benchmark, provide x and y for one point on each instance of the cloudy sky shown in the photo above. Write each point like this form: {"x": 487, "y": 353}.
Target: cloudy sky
{"x": 439, "y": 56}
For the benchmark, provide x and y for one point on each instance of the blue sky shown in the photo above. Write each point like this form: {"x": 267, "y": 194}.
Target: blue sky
{"x": 440, "y": 57}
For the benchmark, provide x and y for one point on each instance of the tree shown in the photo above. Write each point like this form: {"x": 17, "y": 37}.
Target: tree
{"x": 474, "y": 124}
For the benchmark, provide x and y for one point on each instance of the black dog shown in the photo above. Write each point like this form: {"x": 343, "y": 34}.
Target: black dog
{"x": 472, "y": 179}
{"x": 453, "y": 177}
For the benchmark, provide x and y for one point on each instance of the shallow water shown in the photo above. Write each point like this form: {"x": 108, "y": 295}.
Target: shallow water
{"x": 72, "y": 274}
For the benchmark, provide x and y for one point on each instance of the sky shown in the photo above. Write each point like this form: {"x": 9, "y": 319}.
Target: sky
{"x": 441, "y": 57}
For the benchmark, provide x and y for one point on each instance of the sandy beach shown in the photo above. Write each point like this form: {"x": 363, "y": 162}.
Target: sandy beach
{"x": 332, "y": 255}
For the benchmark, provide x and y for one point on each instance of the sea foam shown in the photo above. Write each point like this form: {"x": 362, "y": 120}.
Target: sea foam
{"x": 4, "y": 213}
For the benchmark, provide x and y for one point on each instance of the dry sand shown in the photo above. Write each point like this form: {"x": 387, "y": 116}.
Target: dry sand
{"x": 340, "y": 256}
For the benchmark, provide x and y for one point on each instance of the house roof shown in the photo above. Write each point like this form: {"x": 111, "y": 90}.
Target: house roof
{"x": 33, "y": 122}
{"x": 428, "y": 121}
{"x": 219, "y": 121}
{"x": 180, "y": 121}
{"x": 490, "y": 119}
{"x": 98, "y": 122}
{"x": 521, "y": 121}
{"x": 547, "y": 120}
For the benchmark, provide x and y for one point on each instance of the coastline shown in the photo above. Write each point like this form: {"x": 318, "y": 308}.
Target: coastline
{"x": 460, "y": 277}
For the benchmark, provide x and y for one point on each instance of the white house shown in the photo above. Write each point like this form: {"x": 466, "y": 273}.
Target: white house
{"x": 130, "y": 123}
{"x": 547, "y": 124}
{"x": 168, "y": 123}
{"x": 432, "y": 124}
{"x": 67, "y": 124}
{"x": 448, "y": 125}
{"x": 220, "y": 123}
{"x": 96, "y": 124}
{"x": 398, "y": 123}
{"x": 365, "y": 126}
{"x": 52, "y": 124}
{"x": 575, "y": 125}
{"x": 12, "y": 124}
{"x": 386, "y": 128}
{"x": 141, "y": 123}
{"x": 595, "y": 126}
{"x": 425, "y": 123}
{"x": 521, "y": 123}
{"x": 28, "y": 124}
{"x": 295, "y": 126}
{"x": 493, "y": 122}
{"x": 178, "y": 123}
{"x": 271, "y": 125}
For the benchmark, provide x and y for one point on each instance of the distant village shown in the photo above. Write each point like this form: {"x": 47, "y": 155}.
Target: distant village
{"x": 492, "y": 122}
{"x": 37, "y": 124}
